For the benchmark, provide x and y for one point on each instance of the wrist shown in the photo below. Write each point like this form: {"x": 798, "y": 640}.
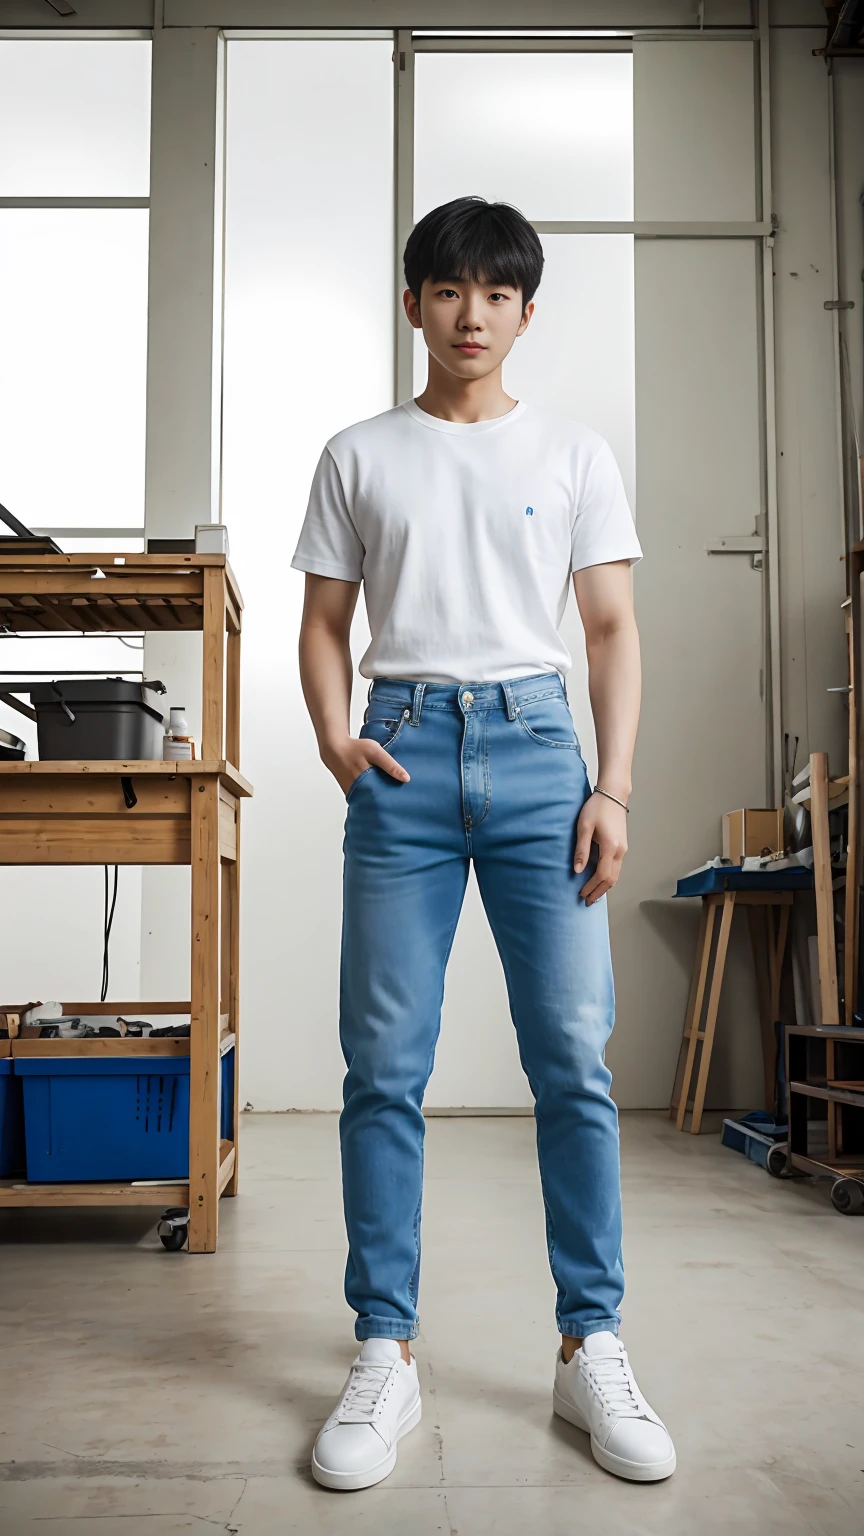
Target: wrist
{"x": 329, "y": 747}
{"x": 608, "y": 794}
{"x": 621, "y": 788}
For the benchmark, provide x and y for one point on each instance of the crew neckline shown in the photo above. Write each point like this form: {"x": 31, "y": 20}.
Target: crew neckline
{"x": 462, "y": 428}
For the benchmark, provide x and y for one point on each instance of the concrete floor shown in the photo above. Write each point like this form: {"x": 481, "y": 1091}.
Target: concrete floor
{"x": 142, "y": 1391}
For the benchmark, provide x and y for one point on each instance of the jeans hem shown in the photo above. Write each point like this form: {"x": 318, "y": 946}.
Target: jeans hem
{"x": 579, "y": 1328}
{"x": 386, "y": 1328}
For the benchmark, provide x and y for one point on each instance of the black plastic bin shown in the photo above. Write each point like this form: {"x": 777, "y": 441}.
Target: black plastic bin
{"x": 102, "y": 718}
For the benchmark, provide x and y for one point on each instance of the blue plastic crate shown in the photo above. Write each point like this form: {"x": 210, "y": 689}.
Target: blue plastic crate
{"x": 11, "y": 1122}
{"x": 111, "y": 1117}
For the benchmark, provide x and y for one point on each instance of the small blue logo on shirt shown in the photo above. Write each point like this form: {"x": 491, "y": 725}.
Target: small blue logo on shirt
{"x": 529, "y": 511}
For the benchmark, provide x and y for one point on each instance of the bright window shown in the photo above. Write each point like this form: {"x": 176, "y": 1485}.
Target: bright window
{"x": 74, "y": 118}
{"x": 552, "y": 133}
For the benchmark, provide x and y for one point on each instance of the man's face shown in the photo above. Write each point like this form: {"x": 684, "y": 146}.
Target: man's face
{"x": 468, "y": 327}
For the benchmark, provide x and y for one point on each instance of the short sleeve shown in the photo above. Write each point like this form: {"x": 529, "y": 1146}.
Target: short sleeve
{"x": 603, "y": 528}
{"x": 329, "y": 544}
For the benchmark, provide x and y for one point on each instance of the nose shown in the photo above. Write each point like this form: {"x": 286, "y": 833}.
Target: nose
{"x": 470, "y": 321}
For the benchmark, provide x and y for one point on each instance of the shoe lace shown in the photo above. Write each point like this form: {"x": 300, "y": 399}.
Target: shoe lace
{"x": 613, "y": 1382}
{"x": 364, "y": 1392}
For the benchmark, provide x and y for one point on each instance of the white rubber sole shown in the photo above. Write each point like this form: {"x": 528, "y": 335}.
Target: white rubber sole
{"x": 348, "y": 1482}
{"x": 633, "y": 1471}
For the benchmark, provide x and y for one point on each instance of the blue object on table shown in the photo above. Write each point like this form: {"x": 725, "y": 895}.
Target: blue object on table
{"x": 732, "y": 877}
{"x": 112, "y": 1117}
{"x": 754, "y": 1135}
{"x": 11, "y": 1121}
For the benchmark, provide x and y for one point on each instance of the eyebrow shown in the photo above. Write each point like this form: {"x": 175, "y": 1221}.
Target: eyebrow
{"x": 491, "y": 283}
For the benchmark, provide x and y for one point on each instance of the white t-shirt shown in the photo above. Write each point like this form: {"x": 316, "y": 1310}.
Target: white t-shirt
{"x": 465, "y": 536}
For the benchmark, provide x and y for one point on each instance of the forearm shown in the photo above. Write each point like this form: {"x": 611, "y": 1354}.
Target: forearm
{"x": 614, "y": 687}
{"x": 326, "y": 674}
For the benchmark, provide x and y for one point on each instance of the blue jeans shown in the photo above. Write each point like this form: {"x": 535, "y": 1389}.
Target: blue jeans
{"x": 497, "y": 777}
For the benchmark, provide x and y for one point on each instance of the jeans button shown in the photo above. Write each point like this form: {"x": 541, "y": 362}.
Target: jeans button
{"x": 467, "y": 699}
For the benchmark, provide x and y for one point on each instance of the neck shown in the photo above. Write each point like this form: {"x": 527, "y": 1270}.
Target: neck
{"x": 464, "y": 400}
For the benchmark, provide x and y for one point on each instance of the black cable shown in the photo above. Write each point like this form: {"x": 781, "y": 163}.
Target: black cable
{"x": 107, "y": 920}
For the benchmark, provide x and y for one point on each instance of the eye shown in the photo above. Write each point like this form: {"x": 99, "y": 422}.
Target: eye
{"x": 449, "y": 293}
{"x": 501, "y": 296}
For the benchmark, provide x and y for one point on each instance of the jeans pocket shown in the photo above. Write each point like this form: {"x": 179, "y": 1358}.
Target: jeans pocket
{"x": 354, "y": 782}
{"x": 549, "y": 722}
{"x": 381, "y": 726}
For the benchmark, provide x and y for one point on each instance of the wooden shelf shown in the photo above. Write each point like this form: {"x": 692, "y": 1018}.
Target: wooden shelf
{"x": 110, "y": 1046}
{"x": 135, "y": 768}
{"x": 16, "y": 1192}
{"x": 821, "y": 1070}
{"x": 57, "y": 812}
{"x": 838, "y": 1169}
{"x": 97, "y": 594}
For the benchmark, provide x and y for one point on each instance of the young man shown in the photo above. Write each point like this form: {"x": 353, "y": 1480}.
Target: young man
{"x": 464, "y": 513}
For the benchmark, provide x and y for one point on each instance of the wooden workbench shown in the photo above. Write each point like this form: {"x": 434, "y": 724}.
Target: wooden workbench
{"x": 145, "y": 813}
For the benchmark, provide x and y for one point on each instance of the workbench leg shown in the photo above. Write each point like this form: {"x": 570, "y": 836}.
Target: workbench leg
{"x": 711, "y": 1013}
{"x": 231, "y": 982}
{"x": 213, "y": 670}
{"x": 232, "y": 698}
{"x": 760, "y": 923}
{"x": 823, "y": 880}
{"x": 687, "y": 1051}
{"x": 853, "y": 838}
{"x": 204, "y": 1041}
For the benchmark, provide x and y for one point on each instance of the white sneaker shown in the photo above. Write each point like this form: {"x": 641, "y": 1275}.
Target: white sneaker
{"x": 379, "y": 1404}
{"x": 597, "y": 1392}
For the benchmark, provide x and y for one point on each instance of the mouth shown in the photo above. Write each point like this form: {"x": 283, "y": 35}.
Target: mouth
{"x": 470, "y": 348}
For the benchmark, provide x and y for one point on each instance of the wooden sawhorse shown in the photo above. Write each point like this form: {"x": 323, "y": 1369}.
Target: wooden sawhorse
{"x": 769, "y": 947}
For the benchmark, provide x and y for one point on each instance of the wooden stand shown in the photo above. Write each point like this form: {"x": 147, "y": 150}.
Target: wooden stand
{"x": 769, "y": 948}
{"x": 825, "y": 1077}
{"x": 145, "y": 813}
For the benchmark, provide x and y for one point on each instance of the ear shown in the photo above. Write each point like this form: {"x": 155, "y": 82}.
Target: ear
{"x": 412, "y": 309}
{"x": 526, "y": 318}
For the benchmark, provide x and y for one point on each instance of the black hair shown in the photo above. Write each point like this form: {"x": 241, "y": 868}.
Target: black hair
{"x": 478, "y": 242}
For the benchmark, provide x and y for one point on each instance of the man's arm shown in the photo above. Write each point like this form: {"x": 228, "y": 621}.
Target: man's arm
{"x": 326, "y": 673}
{"x": 604, "y": 594}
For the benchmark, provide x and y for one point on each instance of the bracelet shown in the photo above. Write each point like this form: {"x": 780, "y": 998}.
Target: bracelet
{"x": 598, "y": 791}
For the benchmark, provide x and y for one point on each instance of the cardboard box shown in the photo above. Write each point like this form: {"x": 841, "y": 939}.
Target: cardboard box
{"x": 747, "y": 834}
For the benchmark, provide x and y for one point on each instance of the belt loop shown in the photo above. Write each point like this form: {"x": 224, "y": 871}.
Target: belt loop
{"x": 417, "y": 704}
{"x": 509, "y": 700}
{"x": 564, "y": 686}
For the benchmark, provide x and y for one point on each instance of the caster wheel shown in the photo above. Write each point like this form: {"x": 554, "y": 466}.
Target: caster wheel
{"x": 174, "y": 1239}
{"x": 173, "y": 1229}
{"x": 847, "y": 1197}
{"x": 776, "y": 1163}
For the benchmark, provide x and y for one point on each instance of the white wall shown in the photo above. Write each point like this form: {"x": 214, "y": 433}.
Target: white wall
{"x": 808, "y": 481}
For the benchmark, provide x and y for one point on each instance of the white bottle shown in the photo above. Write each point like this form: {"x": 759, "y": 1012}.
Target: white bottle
{"x": 177, "y": 744}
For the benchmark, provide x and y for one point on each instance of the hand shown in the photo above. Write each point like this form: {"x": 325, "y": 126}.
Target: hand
{"x": 603, "y": 822}
{"x": 352, "y": 756}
